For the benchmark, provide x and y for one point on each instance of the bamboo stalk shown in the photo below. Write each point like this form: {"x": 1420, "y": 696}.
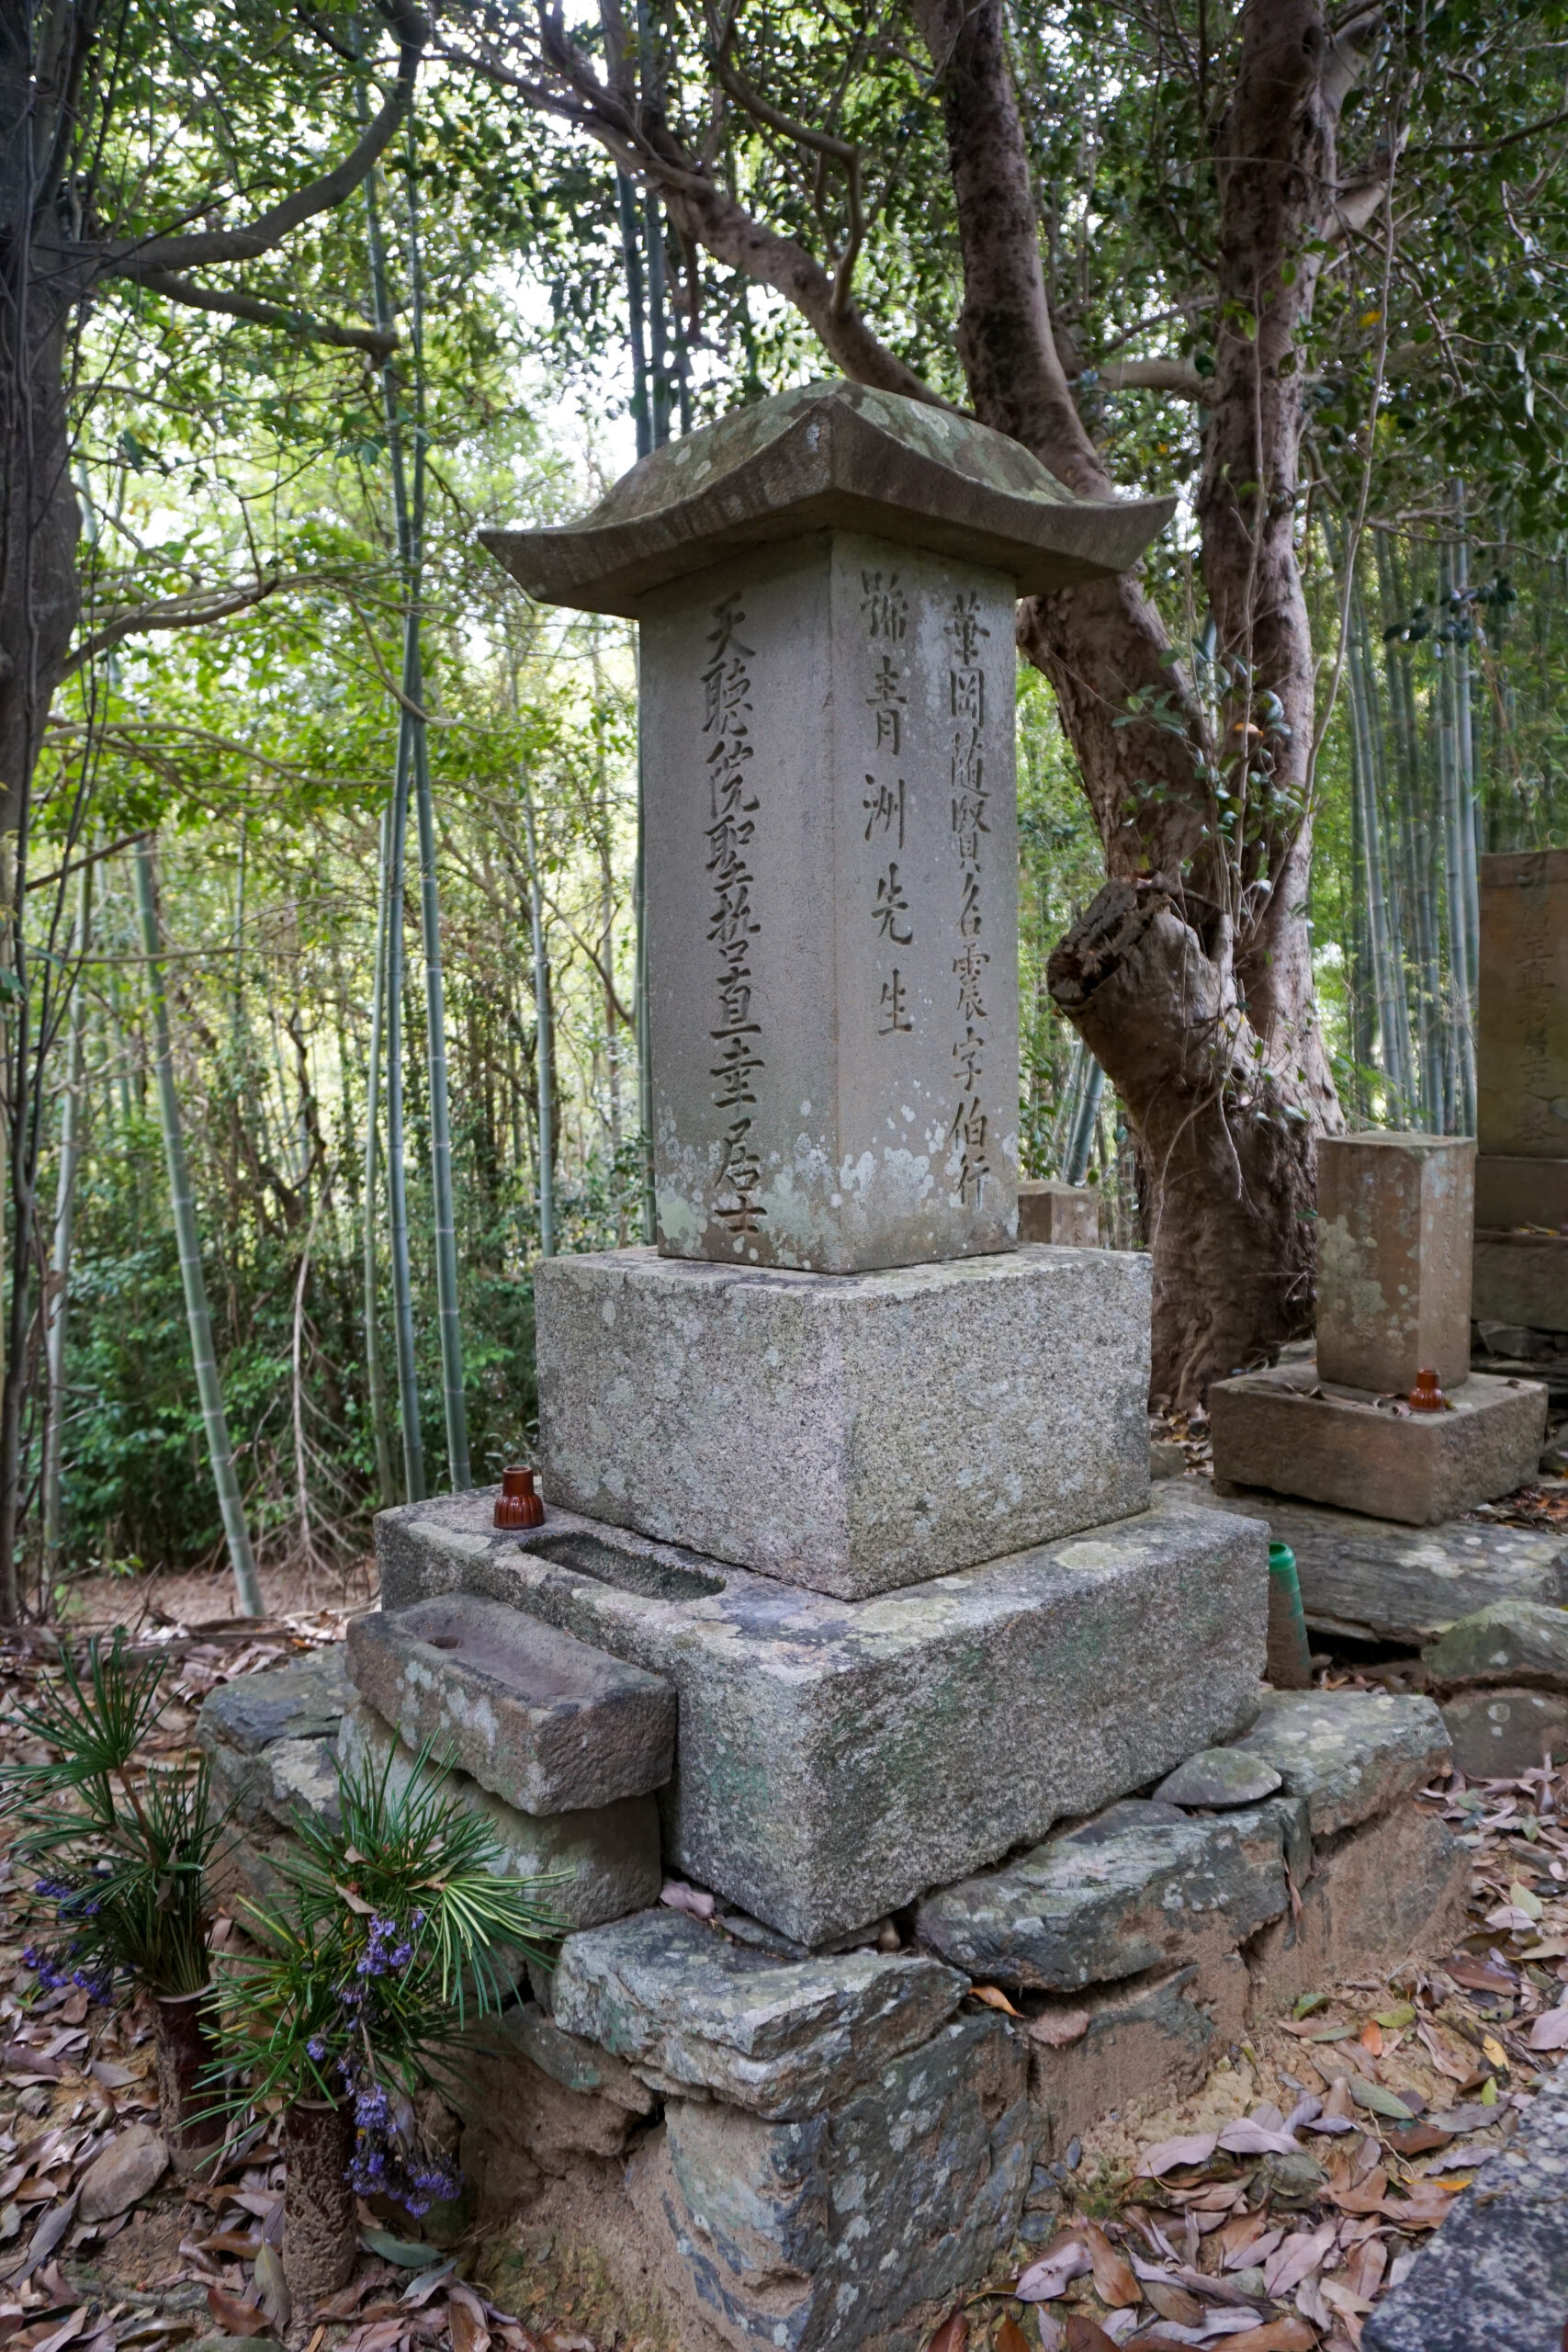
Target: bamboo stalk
{"x": 219, "y": 1451}
{"x": 386, "y": 1486}
{"x": 544, "y": 1034}
{"x": 73, "y": 1120}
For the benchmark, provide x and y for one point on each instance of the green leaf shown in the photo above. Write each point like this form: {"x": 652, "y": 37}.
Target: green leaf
{"x": 1380, "y": 2102}
{"x": 401, "y": 2251}
{"x": 1402, "y": 2014}
{"x": 1308, "y": 2002}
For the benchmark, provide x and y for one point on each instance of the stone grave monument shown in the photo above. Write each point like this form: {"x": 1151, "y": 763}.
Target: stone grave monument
{"x": 1388, "y": 1420}
{"x": 1521, "y": 1064}
{"x": 851, "y": 1589}
{"x": 1068, "y": 1214}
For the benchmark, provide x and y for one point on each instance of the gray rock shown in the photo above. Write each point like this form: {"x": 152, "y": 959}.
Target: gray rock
{"x": 690, "y": 2011}
{"x": 575, "y": 2064}
{"x": 299, "y": 1776}
{"x": 1513, "y": 1641}
{"x": 599, "y": 1863}
{"x": 1166, "y": 1460}
{"x": 300, "y": 1701}
{"x": 854, "y": 1434}
{"x": 1218, "y": 1776}
{"x": 836, "y": 1760}
{"x": 1494, "y": 2277}
{"x": 534, "y": 1715}
{"x": 1141, "y": 1887}
{"x": 1372, "y": 1577}
{"x": 861, "y": 2224}
{"x": 1498, "y": 1735}
{"x": 1348, "y": 1753}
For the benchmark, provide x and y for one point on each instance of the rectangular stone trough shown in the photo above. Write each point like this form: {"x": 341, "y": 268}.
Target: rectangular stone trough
{"x": 834, "y": 1760}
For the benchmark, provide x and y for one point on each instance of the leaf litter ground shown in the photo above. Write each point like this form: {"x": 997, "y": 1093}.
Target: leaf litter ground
{"x": 1274, "y": 2206}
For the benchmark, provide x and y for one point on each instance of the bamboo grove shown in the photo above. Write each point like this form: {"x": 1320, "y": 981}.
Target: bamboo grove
{"x": 322, "y": 1012}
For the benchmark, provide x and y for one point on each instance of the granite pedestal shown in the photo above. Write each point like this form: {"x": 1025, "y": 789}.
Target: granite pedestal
{"x": 1521, "y": 1182}
{"x": 834, "y": 1758}
{"x": 1063, "y": 1214}
{"x": 852, "y": 1433}
{"x": 1394, "y": 1216}
{"x": 1286, "y": 1431}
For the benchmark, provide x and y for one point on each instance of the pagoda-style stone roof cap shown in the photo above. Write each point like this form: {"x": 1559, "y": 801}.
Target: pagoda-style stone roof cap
{"x": 838, "y": 455}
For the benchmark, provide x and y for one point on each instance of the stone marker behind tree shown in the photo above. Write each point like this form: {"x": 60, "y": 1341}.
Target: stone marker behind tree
{"x": 1521, "y": 1176}
{"x": 1389, "y": 1421}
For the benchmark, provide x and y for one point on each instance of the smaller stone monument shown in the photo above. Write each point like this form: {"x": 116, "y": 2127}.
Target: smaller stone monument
{"x": 1521, "y": 1176}
{"x": 1068, "y": 1216}
{"x": 1389, "y": 1421}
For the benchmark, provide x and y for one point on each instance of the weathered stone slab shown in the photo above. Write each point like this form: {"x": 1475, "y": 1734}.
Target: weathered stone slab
{"x": 1376, "y": 1578}
{"x": 1348, "y": 1753}
{"x": 1512, "y": 1191}
{"x": 853, "y": 1433}
{"x": 1494, "y": 2277}
{"x": 859, "y": 2225}
{"x": 1511, "y": 1641}
{"x": 300, "y": 1701}
{"x": 601, "y": 1862}
{"x": 1521, "y": 1055}
{"x": 1218, "y": 1776}
{"x": 1498, "y": 1735}
{"x": 533, "y": 1714}
{"x": 1063, "y": 1215}
{"x": 836, "y": 1760}
{"x": 1143, "y": 1887}
{"x": 1394, "y": 1888}
{"x": 1396, "y": 1215}
{"x": 690, "y": 2011}
{"x": 1281, "y": 1429}
{"x": 1522, "y": 1278}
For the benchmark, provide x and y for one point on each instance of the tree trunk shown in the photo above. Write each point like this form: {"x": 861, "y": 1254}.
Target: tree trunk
{"x": 1190, "y": 975}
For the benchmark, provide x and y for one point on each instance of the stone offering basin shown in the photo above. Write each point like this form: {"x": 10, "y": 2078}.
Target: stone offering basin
{"x": 836, "y": 1759}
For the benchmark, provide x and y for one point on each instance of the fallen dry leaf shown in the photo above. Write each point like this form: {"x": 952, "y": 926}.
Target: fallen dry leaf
{"x": 1550, "y": 2030}
{"x": 1085, "y": 2335}
{"x": 1113, "y": 2279}
{"x": 1044, "y": 2281}
{"x": 233, "y": 2315}
{"x": 468, "y": 2334}
{"x": 1173, "y": 2302}
{"x": 1010, "y": 2337}
{"x": 134, "y": 2162}
{"x": 953, "y": 2336}
{"x": 1177, "y": 2156}
{"x": 994, "y": 1998}
{"x": 1282, "y": 2335}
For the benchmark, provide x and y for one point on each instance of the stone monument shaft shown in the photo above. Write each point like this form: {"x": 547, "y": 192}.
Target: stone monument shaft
{"x": 828, "y": 752}
{"x": 825, "y": 586}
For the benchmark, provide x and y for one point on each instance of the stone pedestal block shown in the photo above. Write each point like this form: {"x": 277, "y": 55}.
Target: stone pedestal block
{"x": 1511, "y": 1190}
{"x": 1521, "y": 1053}
{"x": 536, "y": 1716}
{"x": 1279, "y": 1430}
{"x": 1395, "y": 1216}
{"x": 1348, "y": 1754}
{"x": 1498, "y": 1735}
{"x": 855, "y": 2227}
{"x": 849, "y": 1433}
{"x": 603, "y": 1860}
{"x": 1522, "y": 1279}
{"x": 834, "y": 1760}
{"x": 1063, "y": 1214}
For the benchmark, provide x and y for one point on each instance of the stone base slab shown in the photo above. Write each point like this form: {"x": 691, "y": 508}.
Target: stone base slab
{"x": 1521, "y": 1278}
{"x": 1394, "y": 1888}
{"x": 835, "y": 1759}
{"x": 1378, "y": 1580}
{"x": 853, "y": 1433}
{"x": 1498, "y": 1734}
{"x": 1282, "y": 1430}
